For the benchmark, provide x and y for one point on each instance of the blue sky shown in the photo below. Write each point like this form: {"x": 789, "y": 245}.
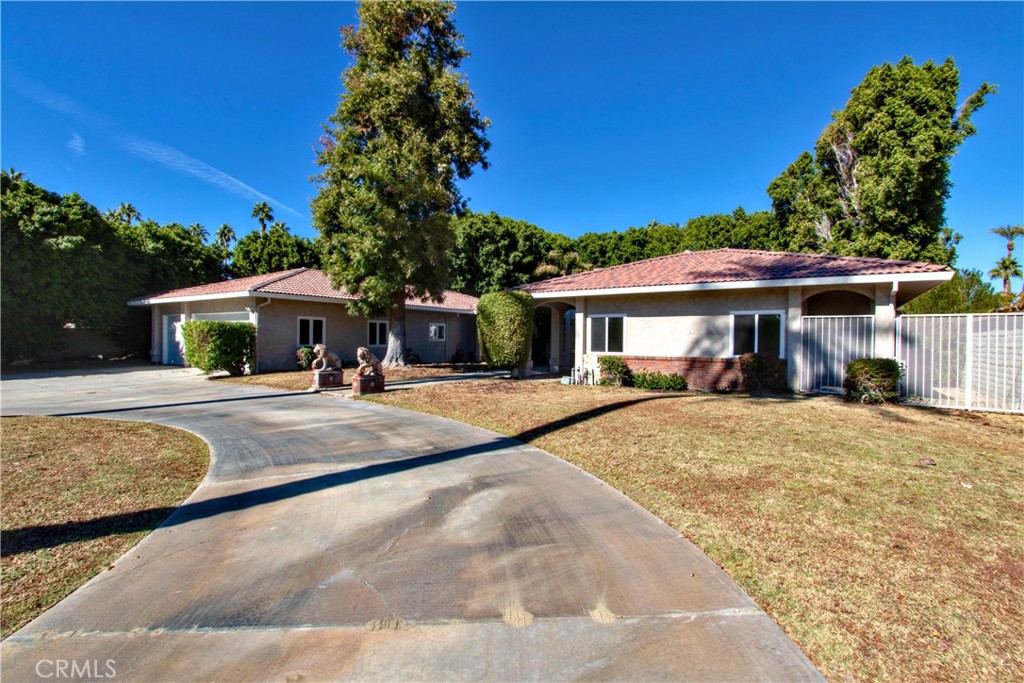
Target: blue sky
{"x": 605, "y": 115}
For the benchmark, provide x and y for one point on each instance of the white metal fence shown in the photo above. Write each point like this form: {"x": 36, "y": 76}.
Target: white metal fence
{"x": 827, "y": 344}
{"x": 972, "y": 362}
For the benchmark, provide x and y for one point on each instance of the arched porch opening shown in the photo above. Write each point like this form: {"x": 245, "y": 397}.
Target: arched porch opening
{"x": 554, "y": 337}
{"x": 839, "y": 302}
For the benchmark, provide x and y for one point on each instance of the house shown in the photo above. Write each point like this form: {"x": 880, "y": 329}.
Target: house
{"x": 695, "y": 313}
{"x": 299, "y": 307}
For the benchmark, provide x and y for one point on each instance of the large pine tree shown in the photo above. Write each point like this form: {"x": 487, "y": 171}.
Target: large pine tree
{"x": 406, "y": 129}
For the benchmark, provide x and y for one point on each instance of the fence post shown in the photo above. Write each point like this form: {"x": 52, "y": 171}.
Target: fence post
{"x": 968, "y": 380}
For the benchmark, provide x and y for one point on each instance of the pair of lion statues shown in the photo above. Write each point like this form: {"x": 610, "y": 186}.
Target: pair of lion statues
{"x": 368, "y": 363}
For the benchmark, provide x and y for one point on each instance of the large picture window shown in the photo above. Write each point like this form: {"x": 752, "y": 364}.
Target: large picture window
{"x": 311, "y": 331}
{"x": 607, "y": 333}
{"x": 758, "y": 332}
{"x": 377, "y": 333}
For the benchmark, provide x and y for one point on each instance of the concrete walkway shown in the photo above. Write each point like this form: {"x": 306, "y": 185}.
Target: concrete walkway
{"x": 342, "y": 540}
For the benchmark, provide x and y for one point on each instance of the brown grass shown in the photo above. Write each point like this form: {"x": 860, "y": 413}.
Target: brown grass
{"x": 301, "y": 380}
{"x": 77, "y": 493}
{"x": 878, "y": 567}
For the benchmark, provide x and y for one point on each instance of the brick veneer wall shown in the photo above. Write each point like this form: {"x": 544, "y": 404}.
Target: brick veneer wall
{"x": 700, "y": 373}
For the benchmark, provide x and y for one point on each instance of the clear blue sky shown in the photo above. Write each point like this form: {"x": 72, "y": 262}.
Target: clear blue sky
{"x": 605, "y": 115}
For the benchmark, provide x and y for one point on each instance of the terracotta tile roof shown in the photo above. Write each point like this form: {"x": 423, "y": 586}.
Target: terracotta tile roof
{"x": 299, "y": 282}
{"x": 728, "y": 265}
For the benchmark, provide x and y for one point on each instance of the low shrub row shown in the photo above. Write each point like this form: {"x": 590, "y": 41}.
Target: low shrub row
{"x": 615, "y": 372}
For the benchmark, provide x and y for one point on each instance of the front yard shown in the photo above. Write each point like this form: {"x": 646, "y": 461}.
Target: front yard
{"x": 878, "y": 566}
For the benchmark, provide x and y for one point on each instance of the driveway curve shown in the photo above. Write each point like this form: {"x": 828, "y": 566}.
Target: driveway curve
{"x": 343, "y": 540}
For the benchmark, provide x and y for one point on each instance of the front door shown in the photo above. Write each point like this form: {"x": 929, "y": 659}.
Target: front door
{"x": 174, "y": 341}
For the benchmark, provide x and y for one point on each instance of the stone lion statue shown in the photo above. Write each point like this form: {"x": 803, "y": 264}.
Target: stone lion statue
{"x": 325, "y": 359}
{"x": 368, "y": 363}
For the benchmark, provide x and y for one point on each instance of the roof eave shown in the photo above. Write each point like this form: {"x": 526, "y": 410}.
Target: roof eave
{"x": 936, "y": 277}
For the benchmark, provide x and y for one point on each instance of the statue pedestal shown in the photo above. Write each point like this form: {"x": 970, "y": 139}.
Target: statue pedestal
{"x": 328, "y": 379}
{"x": 369, "y": 384}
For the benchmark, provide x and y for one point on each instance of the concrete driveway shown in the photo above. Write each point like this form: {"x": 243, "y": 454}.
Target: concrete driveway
{"x": 341, "y": 540}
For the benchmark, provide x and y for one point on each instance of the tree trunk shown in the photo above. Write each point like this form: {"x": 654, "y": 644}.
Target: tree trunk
{"x": 395, "y": 356}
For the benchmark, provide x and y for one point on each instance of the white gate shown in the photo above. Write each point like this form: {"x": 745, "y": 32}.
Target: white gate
{"x": 827, "y": 344}
{"x": 972, "y": 362}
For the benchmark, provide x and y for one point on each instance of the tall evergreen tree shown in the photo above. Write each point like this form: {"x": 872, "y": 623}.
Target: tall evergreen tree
{"x": 878, "y": 181}
{"x": 406, "y": 129}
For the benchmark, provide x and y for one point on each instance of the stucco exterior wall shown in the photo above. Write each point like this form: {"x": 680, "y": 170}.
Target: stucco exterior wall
{"x": 684, "y": 325}
{"x": 460, "y": 333}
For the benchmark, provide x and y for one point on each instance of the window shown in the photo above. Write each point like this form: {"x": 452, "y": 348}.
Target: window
{"x": 377, "y": 333}
{"x": 311, "y": 331}
{"x": 606, "y": 333}
{"x": 438, "y": 332}
{"x": 757, "y": 332}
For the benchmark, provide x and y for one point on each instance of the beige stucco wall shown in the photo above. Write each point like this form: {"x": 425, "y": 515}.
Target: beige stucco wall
{"x": 690, "y": 324}
{"x": 277, "y": 337}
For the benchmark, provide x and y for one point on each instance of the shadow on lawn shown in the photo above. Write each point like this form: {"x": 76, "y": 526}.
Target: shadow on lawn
{"x": 29, "y": 539}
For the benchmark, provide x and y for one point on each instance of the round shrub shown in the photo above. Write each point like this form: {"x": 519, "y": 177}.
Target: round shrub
{"x": 504, "y": 323}
{"x": 761, "y": 372}
{"x": 873, "y": 380}
{"x": 615, "y": 372}
{"x": 216, "y": 345}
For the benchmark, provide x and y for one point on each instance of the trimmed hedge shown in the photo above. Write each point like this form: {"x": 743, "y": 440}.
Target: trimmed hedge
{"x": 615, "y": 372}
{"x": 659, "y": 381}
{"x": 763, "y": 373}
{"x": 873, "y": 380}
{"x": 216, "y": 345}
{"x": 504, "y": 323}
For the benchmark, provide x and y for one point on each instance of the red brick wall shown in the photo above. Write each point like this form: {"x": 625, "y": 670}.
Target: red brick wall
{"x": 700, "y": 373}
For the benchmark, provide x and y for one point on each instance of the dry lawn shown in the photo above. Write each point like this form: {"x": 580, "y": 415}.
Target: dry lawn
{"x": 880, "y": 568}
{"x": 77, "y": 493}
{"x": 301, "y": 380}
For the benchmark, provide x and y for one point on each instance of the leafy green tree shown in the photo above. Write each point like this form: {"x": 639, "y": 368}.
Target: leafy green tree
{"x": 262, "y": 212}
{"x": 406, "y": 129}
{"x": 967, "y": 292}
{"x": 258, "y": 254}
{"x": 492, "y": 252}
{"x": 62, "y": 262}
{"x": 1006, "y": 269}
{"x": 558, "y": 262}
{"x": 878, "y": 181}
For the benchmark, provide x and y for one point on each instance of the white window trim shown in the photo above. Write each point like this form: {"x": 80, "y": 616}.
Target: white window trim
{"x": 387, "y": 331}
{"x": 756, "y": 314}
{"x": 444, "y": 335}
{"x": 298, "y": 328}
{"x": 590, "y": 333}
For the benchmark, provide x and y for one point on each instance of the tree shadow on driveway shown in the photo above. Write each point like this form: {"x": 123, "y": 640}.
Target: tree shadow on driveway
{"x": 29, "y": 539}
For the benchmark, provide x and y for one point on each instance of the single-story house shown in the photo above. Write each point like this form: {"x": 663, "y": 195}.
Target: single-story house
{"x": 695, "y": 313}
{"x": 299, "y": 307}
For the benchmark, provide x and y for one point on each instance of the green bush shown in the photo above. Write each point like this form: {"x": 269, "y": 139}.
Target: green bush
{"x": 504, "y": 323}
{"x": 304, "y": 356}
{"x": 873, "y": 380}
{"x": 215, "y": 345}
{"x": 615, "y": 372}
{"x": 763, "y": 373}
{"x": 659, "y": 381}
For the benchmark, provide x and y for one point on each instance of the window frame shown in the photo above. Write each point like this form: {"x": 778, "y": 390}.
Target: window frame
{"x": 757, "y": 326}
{"x": 432, "y": 327}
{"x": 380, "y": 324}
{"x": 590, "y": 333}
{"x": 310, "y": 318}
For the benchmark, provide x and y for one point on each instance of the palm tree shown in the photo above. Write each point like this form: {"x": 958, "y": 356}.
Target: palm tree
{"x": 1010, "y": 232}
{"x": 279, "y": 226}
{"x": 263, "y": 214}
{"x": 197, "y": 230}
{"x": 1006, "y": 268}
{"x": 126, "y": 213}
{"x": 224, "y": 237}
